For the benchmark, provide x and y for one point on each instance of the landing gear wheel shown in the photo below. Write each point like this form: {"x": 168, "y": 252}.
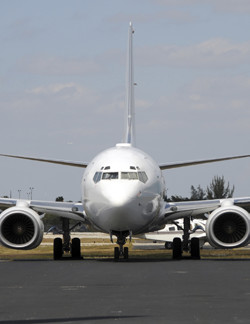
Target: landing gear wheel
{"x": 125, "y": 252}
{"x": 177, "y": 248}
{"x": 116, "y": 253}
{"x": 76, "y": 248}
{"x": 57, "y": 248}
{"x": 195, "y": 248}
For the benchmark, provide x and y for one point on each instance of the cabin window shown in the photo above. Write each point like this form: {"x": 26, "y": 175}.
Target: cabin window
{"x": 142, "y": 176}
{"x": 97, "y": 177}
{"x": 129, "y": 175}
{"x": 109, "y": 175}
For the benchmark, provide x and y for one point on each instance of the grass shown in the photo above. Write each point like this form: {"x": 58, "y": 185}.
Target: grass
{"x": 101, "y": 248}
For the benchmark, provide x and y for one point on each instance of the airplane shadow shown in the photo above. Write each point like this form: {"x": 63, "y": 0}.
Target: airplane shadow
{"x": 68, "y": 319}
{"x": 131, "y": 260}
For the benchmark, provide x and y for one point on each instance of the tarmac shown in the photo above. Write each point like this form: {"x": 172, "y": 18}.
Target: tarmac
{"x": 133, "y": 291}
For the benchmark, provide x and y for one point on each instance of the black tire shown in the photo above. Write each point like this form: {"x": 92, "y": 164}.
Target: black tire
{"x": 177, "y": 248}
{"x": 116, "y": 253}
{"x": 57, "y": 248}
{"x": 195, "y": 248}
{"x": 76, "y": 248}
{"x": 125, "y": 251}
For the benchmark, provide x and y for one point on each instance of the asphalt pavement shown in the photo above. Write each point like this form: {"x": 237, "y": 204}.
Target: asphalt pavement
{"x": 136, "y": 291}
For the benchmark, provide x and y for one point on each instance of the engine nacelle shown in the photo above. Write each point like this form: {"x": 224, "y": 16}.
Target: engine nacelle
{"x": 20, "y": 228}
{"x": 228, "y": 227}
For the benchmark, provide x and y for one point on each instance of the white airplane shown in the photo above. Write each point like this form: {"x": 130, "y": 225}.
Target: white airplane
{"x": 171, "y": 231}
{"x": 123, "y": 194}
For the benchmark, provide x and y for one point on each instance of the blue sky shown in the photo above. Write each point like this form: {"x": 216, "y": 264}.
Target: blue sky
{"x": 62, "y": 88}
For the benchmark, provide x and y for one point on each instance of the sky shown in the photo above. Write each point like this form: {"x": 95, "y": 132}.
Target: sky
{"x": 62, "y": 89}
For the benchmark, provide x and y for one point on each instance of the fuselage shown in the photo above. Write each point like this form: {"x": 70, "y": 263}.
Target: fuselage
{"x": 123, "y": 190}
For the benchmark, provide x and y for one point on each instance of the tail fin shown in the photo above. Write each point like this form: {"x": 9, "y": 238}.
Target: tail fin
{"x": 130, "y": 127}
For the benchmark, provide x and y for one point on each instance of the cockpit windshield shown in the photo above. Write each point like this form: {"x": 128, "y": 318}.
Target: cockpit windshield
{"x": 129, "y": 175}
{"x": 109, "y": 175}
{"x": 140, "y": 175}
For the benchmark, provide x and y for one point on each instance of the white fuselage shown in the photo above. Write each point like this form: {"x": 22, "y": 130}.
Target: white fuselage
{"x": 123, "y": 190}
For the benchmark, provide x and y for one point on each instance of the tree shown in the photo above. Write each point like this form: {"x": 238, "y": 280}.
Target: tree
{"x": 177, "y": 198}
{"x": 218, "y": 189}
{"x": 60, "y": 198}
{"x": 197, "y": 194}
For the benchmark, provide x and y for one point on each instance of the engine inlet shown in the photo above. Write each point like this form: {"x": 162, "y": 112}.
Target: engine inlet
{"x": 18, "y": 229}
{"x": 230, "y": 228}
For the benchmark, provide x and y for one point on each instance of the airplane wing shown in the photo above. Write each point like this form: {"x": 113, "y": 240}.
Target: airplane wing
{"x": 175, "y": 165}
{"x": 200, "y": 209}
{"x": 61, "y": 209}
{"x": 61, "y": 162}
{"x": 196, "y": 209}
{"x": 22, "y": 228}
{"x": 164, "y": 166}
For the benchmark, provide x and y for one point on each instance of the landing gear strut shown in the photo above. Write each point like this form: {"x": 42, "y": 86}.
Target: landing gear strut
{"x": 120, "y": 251}
{"x": 65, "y": 245}
{"x": 192, "y": 246}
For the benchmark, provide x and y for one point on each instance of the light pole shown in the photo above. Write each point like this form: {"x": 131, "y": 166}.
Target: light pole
{"x": 19, "y": 193}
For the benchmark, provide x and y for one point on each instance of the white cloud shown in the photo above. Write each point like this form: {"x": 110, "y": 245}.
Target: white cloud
{"x": 240, "y": 6}
{"x": 205, "y": 105}
{"x": 69, "y": 92}
{"x": 213, "y": 53}
{"x": 234, "y": 6}
{"x": 53, "y": 65}
{"x": 142, "y": 104}
{"x": 223, "y": 94}
{"x": 51, "y": 89}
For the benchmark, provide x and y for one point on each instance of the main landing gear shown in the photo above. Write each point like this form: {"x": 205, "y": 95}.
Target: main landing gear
{"x": 120, "y": 251}
{"x": 65, "y": 247}
{"x": 192, "y": 246}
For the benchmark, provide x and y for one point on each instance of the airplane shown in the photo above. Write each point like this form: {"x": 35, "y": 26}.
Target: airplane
{"x": 123, "y": 194}
{"x": 171, "y": 231}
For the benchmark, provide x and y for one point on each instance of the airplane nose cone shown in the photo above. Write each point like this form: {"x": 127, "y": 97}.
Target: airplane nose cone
{"x": 118, "y": 198}
{"x": 120, "y": 206}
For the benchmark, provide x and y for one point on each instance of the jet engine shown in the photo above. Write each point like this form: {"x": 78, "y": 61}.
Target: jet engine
{"x": 228, "y": 227}
{"x": 20, "y": 228}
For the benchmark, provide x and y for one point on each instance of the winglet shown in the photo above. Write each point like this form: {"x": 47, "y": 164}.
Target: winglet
{"x": 130, "y": 127}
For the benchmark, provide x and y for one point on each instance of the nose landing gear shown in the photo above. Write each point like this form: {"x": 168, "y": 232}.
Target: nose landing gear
{"x": 120, "y": 251}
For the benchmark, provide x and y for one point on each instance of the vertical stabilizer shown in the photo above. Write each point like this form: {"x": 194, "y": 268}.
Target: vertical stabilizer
{"x": 130, "y": 107}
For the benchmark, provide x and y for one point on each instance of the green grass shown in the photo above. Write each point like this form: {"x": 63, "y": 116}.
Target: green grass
{"x": 106, "y": 251}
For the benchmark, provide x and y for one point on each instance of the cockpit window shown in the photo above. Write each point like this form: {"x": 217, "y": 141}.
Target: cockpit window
{"x": 129, "y": 175}
{"x": 142, "y": 176}
{"x": 97, "y": 177}
{"x": 109, "y": 175}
